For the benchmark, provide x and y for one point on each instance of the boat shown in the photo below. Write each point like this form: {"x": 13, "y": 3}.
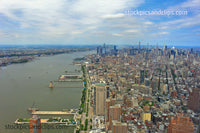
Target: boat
{"x": 51, "y": 84}
{"x": 32, "y": 108}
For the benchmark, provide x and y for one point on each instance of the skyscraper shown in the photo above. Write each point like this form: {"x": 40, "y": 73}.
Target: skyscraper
{"x": 114, "y": 113}
{"x": 99, "y": 50}
{"x": 182, "y": 124}
{"x": 194, "y": 100}
{"x": 100, "y": 95}
{"x": 107, "y": 109}
{"x": 115, "y": 50}
{"x": 119, "y": 127}
{"x": 142, "y": 76}
{"x": 35, "y": 124}
{"x": 139, "y": 47}
{"x": 104, "y": 50}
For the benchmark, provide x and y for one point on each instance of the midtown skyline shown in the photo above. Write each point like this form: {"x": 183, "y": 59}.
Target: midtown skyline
{"x": 95, "y": 22}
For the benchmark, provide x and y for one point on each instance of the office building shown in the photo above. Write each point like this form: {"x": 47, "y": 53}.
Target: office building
{"x": 141, "y": 76}
{"x": 115, "y": 50}
{"x": 107, "y": 109}
{"x": 194, "y": 100}
{"x": 147, "y": 82}
{"x": 181, "y": 124}
{"x": 99, "y": 50}
{"x": 104, "y": 52}
{"x": 118, "y": 127}
{"x": 100, "y": 95}
{"x": 114, "y": 113}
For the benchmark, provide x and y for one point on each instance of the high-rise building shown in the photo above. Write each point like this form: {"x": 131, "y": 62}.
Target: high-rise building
{"x": 147, "y": 82}
{"x": 35, "y": 124}
{"x": 142, "y": 76}
{"x": 104, "y": 52}
{"x": 118, "y": 127}
{"x": 107, "y": 109}
{"x": 109, "y": 102}
{"x": 182, "y": 124}
{"x": 114, "y": 113}
{"x": 157, "y": 49}
{"x": 108, "y": 92}
{"x": 194, "y": 100}
{"x": 139, "y": 47}
{"x": 99, "y": 50}
{"x": 100, "y": 95}
{"x": 112, "y": 101}
{"x": 192, "y": 50}
{"x": 173, "y": 53}
{"x": 165, "y": 50}
{"x": 115, "y": 50}
{"x": 132, "y": 51}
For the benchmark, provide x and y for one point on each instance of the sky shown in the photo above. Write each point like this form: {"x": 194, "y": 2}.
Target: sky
{"x": 169, "y": 22}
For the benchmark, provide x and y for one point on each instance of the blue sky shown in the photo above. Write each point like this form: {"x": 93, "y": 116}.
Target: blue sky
{"x": 99, "y": 21}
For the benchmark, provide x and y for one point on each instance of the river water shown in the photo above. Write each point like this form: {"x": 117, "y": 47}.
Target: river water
{"x": 21, "y": 85}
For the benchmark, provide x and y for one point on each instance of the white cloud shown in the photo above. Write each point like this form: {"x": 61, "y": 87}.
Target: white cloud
{"x": 181, "y": 23}
{"x": 163, "y": 33}
{"x": 91, "y": 27}
{"x": 148, "y": 23}
{"x": 117, "y": 34}
{"x": 188, "y": 21}
{"x": 119, "y": 15}
{"x": 188, "y": 4}
{"x": 163, "y": 27}
{"x": 56, "y": 18}
{"x": 94, "y": 21}
{"x": 76, "y": 32}
{"x": 131, "y": 31}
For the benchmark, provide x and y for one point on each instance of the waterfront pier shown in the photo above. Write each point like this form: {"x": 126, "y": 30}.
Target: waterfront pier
{"x": 70, "y": 78}
{"x": 53, "y": 113}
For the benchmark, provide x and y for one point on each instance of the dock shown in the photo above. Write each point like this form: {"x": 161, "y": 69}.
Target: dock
{"x": 53, "y": 113}
{"x": 45, "y": 121}
{"x": 68, "y": 80}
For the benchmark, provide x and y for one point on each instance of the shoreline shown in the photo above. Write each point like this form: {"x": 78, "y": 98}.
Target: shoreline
{"x": 21, "y": 58}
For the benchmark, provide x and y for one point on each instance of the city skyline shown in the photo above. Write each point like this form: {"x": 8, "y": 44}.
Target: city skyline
{"x": 175, "y": 23}
{"x": 121, "y": 90}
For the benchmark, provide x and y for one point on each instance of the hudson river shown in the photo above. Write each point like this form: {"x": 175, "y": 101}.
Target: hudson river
{"x": 21, "y": 85}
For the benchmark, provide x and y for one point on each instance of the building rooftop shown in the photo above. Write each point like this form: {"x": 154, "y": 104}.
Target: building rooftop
{"x": 100, "y": 84}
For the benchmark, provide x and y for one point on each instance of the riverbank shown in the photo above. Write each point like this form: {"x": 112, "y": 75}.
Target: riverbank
{"x": 18, "y": 92}
{"x": 16, "y": 56}
{"x": 85, "y": 112}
